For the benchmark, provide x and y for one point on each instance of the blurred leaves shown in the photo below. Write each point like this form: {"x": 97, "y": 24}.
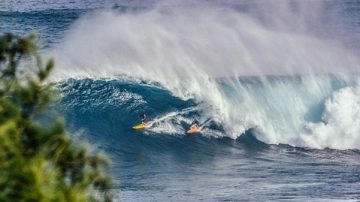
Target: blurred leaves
{"x": 38, "y": 160}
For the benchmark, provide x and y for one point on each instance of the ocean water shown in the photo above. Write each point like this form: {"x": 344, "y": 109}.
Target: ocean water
{"x": 274, "y": 84}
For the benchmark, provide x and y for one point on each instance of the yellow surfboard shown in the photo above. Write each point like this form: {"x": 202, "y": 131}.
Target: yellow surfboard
{"x": 141, "y": 126}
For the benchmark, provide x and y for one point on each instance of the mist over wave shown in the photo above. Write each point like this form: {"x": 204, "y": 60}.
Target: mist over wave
{"x": 223, "y": 58}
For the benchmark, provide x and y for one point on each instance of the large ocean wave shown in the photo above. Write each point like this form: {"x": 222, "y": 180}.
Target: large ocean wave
{"x": 284, "y": 110}
{"x": 273, "y": 72}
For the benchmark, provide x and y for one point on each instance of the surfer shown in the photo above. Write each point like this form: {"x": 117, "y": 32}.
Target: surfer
{"x": 195, "y": 128}
{"x": 143, "y": 124}
{"x": 143, "y": 118}
{"x": 196, "y": 124}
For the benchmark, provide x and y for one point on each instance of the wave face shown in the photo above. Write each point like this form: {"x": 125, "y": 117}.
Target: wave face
{"x": 277, "y": 110}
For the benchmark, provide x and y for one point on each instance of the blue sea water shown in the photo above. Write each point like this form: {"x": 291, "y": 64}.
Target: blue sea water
{"x": 270, "y": 134}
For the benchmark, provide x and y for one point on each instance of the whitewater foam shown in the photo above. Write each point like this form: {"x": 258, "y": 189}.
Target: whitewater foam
{"x": 340, "y": 125}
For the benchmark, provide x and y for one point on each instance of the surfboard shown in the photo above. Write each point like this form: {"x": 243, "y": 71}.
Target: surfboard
{"x": 140, "y": 126}
{"x": 193, "y": 130}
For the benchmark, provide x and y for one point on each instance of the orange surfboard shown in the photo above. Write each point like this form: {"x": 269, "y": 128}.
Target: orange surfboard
{"x": 193, "y": 130}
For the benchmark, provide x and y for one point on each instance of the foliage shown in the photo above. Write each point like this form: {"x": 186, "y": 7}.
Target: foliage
{"x": 38, "y": 160}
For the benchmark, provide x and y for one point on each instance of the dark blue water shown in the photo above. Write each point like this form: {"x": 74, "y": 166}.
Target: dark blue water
{"x": 163, "y": 163}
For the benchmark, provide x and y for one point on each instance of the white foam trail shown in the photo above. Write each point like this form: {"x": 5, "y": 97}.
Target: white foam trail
{"x": 186, "y": 48}
{"x": 165, "y": 123}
